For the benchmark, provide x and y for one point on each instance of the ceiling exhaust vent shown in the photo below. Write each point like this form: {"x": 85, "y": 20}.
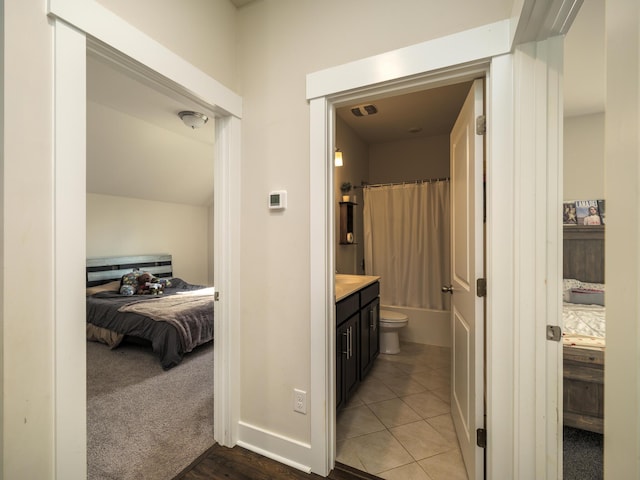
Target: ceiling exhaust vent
{"x": 364, "y": 110}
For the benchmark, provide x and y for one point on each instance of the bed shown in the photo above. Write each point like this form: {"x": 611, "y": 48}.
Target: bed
{"x": 173, "y": 322}
{"x": 583, "y": 327}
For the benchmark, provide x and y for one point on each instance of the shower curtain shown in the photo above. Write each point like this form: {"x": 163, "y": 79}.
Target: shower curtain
{"x": 406, "y": 242}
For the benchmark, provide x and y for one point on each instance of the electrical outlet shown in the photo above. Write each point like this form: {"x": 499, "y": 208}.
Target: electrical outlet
{"x": 299, "y": 401}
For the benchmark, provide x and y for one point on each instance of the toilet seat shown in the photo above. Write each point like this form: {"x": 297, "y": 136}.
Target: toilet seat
{"x": 392, "y": 317}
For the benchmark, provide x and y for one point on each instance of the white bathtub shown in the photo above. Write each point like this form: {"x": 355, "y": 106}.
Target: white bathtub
{"x": 429, "y": 327}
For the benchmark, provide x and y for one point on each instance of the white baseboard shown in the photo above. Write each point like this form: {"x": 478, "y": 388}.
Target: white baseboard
{"x": 282, "y": 449}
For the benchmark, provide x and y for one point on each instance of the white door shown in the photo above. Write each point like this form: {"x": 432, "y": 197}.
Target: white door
{"x": 467, "y": 266}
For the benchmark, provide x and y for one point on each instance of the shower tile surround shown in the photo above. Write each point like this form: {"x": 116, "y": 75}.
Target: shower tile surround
{"x": 398, "y": 425}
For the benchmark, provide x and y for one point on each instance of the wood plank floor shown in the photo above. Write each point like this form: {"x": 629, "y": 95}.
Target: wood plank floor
{"x": 222, "y": 463}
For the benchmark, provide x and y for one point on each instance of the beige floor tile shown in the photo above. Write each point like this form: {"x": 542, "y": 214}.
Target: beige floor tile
{"x": 431, "y": 379}
{"x": 443, "y": 394}
{"x": 413, "y": 471}
{"x": 444, "y": 426}
{"x": 426, "y": 404}
{"x": 354, "y": 402}
{"x": 386, "y": 377}
{"x": 394, "y": 412}
{"x": 352, "y": 422}
{"x": 372, "y": 391}
{"x": 439, "y": 361}
{"x": 347, "y": 453}
{"x": 420, "y": 439}
{"x": 403, "y": 385}
{"x": 380, "y": 452}
{"x": 446, "y": 466}
{"x": 383, "y": 368}
{"x": 410, "y": 366}
{"x": 377, "y": 452}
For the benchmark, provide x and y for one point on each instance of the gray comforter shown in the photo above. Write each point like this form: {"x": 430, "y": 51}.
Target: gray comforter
{"x": 175, "y": 322}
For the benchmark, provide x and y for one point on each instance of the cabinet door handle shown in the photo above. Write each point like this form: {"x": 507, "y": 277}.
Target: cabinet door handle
{"x": 372, "y": 318}
{"x": 346, "y": 344}
{"x": 351, "y": 341}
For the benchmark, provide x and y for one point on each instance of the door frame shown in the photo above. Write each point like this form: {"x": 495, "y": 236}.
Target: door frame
{"x": 79, "y": 25}
{"x": 512, "y": 413}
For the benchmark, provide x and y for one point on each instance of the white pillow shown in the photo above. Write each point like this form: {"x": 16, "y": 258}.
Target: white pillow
{"x": 569, "y": 284}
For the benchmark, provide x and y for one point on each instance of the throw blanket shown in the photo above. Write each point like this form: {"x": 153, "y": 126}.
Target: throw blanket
{"x": 183, "y": 311}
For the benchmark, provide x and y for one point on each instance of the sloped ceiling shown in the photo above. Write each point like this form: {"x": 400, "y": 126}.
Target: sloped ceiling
{"x": 138, "y": 147}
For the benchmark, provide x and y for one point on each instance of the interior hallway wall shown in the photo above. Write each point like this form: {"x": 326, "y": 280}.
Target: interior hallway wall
{"x": 622, "y": 269}
{"x": 203, "y": 32}
{"x": 281, "y": 41}
{"x": 27, "y": 422}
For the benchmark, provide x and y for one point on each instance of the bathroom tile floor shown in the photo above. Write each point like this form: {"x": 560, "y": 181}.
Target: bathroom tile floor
{"x": 398, "y": 425}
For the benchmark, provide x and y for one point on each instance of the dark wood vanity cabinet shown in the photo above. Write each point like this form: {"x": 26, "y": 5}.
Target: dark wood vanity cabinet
{"x": 369, "y": 336}
{"x": 357, "y": 339}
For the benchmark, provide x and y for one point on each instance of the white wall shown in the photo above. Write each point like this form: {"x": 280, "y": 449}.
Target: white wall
{"x": 622, "y": 269}
{"x": 584, "y": 157}
{"x": 203, "y": 32}
{"x": 27, "y": 177}
{"x": 407, "y": 160}
{"x": 27, "y": 321}
{"x": 355, "y": 170}
{"x": 280, "y": 42}
{"x": 129, "y": 226}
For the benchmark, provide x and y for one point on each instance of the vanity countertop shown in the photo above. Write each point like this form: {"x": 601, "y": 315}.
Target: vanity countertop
{"x": 348, "y": 284}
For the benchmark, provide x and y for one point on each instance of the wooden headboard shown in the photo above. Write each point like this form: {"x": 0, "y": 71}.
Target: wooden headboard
{"x": 105, "y": 269}
{"x": 583, "y": 253}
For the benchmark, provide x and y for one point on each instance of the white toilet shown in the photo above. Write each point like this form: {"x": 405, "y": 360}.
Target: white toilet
{"x": 390, "y": 324}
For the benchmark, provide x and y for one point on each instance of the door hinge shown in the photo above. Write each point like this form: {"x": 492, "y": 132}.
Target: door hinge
{"x": 481, "y": 438}
{"x": 481, "y": 124}
{"x": 554, "y": 333}
{"x": 481, "y": 287}
{"x": 216, "y": 296}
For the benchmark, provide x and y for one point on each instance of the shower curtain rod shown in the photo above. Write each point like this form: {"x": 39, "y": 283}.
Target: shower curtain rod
{"x": 427, "y": 180}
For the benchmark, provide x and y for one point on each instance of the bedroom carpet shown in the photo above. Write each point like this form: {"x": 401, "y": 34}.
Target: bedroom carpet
{"x": 144, "y": 422}
{"x": 582, "y": 458}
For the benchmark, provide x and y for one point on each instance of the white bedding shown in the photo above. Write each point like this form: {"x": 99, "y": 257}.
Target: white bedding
{"x": 584, "y": 325}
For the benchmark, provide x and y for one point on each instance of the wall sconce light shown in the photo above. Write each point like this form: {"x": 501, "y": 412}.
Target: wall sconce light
{"x": 337, "y": 158}
{"x": 193, "y": 119}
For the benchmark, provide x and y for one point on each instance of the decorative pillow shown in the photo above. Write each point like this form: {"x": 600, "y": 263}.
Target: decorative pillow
{"x": 127, "y": 290}
{"x": 131, "y": 278}
{"x": 129, "y": 282}
{"x": 105, "y": 287}
{"x": 587, "y": 296}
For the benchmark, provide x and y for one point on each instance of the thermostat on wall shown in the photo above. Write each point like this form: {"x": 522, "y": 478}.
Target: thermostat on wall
{"x": 278, "y": 200}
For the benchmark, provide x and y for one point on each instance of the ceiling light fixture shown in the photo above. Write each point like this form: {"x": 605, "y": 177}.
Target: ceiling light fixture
{"x": 193, "y": 119}
{"x": 337, "y": 158}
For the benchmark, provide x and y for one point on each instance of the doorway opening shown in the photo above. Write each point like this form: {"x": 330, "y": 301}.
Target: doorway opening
{"x": 72, "y": 42}
{"x": 399, "y": 420}
{"x": 139, "y": 399}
